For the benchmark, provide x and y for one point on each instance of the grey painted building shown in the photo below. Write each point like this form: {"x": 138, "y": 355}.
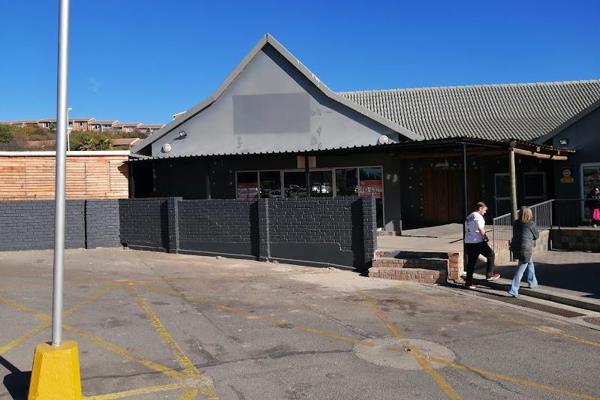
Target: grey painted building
{"x": 273, "y": 129}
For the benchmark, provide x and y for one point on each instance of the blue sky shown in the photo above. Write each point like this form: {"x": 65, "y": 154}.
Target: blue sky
{"x": 143, "y": 60}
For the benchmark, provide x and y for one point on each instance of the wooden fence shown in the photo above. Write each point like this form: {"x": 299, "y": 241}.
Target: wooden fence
{"x": 90, "y": 175}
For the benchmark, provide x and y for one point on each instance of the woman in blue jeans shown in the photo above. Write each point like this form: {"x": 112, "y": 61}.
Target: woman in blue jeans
{"x": 524, "y": 233}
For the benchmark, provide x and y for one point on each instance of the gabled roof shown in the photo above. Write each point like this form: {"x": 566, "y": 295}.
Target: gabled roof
{"x": 268, "y": 39}
{"x": 525, "y": 111}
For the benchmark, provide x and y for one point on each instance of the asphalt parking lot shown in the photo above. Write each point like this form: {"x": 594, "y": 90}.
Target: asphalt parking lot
{"x": 167, "y": 326}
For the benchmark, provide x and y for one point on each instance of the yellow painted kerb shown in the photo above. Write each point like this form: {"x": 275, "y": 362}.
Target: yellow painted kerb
{"x": 55, "y": 374}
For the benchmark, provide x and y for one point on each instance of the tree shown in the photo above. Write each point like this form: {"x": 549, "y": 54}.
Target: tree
{"x": 6, "y": 134}
{"x": 88, "y": 141}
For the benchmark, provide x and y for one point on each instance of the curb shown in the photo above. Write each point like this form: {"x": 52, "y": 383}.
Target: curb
{"x": 545, "y": 295}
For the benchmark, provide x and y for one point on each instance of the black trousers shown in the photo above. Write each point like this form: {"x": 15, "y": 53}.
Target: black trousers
{"x": 473, "y": 252}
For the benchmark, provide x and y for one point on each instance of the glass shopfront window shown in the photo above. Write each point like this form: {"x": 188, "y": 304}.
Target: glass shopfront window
{"x": 294, "y": 184}
{"x": 362, "y": 182}
{"x": 371, "y": 185}
{"x": 270, "y": 184}
{"x": 346, "y": 182}
{"x": 321, "y": 183}
{"x": 247, "y": 185}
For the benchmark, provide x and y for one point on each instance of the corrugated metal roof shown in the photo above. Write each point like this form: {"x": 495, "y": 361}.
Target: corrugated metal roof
{"x": 525, "y": 111}
{"x": 428, "y": 144}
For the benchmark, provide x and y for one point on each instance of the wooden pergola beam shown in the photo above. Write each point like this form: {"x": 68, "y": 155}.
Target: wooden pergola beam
{"x": 536, "y": 154}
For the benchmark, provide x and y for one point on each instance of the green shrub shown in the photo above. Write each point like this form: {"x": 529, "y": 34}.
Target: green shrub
{"x": 88, "y": 141}
{"x": 6, "y": 134}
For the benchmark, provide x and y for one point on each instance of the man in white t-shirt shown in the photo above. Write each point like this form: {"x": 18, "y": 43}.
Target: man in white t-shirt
{"x": 476, "y": 244}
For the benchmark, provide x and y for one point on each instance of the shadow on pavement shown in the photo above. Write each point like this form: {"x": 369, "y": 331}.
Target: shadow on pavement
{"x": 17, "y": 381}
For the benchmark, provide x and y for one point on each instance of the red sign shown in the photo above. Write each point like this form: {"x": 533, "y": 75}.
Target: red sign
{"x": 247, "y": 191}
{"x": 371, "y": 188}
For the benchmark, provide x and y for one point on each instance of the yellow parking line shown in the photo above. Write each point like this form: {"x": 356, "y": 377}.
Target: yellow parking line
{"x": 121, "y": 351}
{"x": 166, "y": 337}
{"x": 208, "y": 390}
{"x": 135, "y": 392}
{"x": 508, "y": 378}
{"x": 96, "y": 340}
{"x": 21, "y": 287}
{"x": 416, "y": 353}
{"x": 15, "y": 342}
{"x": 44, "y": 325}
{"x": 28, "y": 310}
{"x": 558, "y": 332}
{"x": 189, "y": 394}
{"x": 97, "y": 295}
{"x": 275, "y": 321}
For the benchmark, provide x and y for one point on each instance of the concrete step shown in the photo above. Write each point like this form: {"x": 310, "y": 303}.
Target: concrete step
{"x": 432, "y": 264}
{"x": 409, "y": 254}
{"x": 409, "y": 274}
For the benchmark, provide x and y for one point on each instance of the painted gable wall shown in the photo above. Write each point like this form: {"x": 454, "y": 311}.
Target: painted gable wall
{"x": 302, "y": 118}
{"x": 584, "y": 137}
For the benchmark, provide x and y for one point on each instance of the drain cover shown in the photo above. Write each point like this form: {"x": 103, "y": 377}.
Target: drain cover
{"x": 397, "y": 353}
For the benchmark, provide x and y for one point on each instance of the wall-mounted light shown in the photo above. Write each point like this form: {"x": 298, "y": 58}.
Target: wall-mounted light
{"x": 166, "y": 148}
{"x": 563, "y": 141}
{"x": 383, "y": 139}
{"x": 182, "y": 134}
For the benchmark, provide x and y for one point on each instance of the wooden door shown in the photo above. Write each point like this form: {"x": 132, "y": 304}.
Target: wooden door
{"x": 443, "y": 194}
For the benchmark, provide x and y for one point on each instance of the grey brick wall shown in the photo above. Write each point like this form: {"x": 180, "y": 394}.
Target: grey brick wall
{"x": 369, "y": 234}
{"x": 318, "y": 231}
{"x": 145, "y": 223}
{"x": 228, "y": 227}
{"x": 29, "y": 225}
{"x": 321, "y": 231}
{"x": 102, "y": 225}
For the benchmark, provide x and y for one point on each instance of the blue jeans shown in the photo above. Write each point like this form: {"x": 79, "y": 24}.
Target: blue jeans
{"x": 531, "y": 279}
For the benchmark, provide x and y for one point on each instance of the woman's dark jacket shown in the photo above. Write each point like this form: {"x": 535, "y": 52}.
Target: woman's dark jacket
{"x": 593, "y": 201}
{"x": 522, "y": 242}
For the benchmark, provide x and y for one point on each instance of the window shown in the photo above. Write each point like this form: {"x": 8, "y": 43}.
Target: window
{"x": 294, "y": 184}
{"x": 371, "y": 185}
{"x": 346, "y": 182}
{"x": 270, "y": 184}
{"x": 247, "y": 185}
{"x": 502, "y": 193}
{"x": 535, "y": 187}
{"x": 590, "y": 178}
{"x": 321, "y": 183}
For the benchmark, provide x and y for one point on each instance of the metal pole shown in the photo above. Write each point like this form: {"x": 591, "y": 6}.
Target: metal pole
{"x": 513, "y": 184}
{"x": 61, "y": 133}
{"x": 68, "y": 131}
{"x": 465, "y": 201}
{"x": 307, "y": 175}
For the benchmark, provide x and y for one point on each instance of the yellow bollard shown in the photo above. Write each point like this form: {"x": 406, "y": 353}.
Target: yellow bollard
{"x": 55, "y": 374}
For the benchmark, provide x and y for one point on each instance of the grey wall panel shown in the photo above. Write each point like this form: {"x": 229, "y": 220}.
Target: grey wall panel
{"x": 144, "y": 223}
{"x": 217, "y": 130}
{"x": 29, "y": 225}
{"x": 102, "y": 224}
{"x": 219, "y": 226}
{"x": 327, "y": 231}
{"x": 584, "y": 137}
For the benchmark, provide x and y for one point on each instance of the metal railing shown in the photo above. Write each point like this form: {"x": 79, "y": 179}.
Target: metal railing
{"x": 543, "y": 213}
{"x": 555, "y": 213}
{"x": 501, "y": 230}
{"x": 502, "y": 225}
